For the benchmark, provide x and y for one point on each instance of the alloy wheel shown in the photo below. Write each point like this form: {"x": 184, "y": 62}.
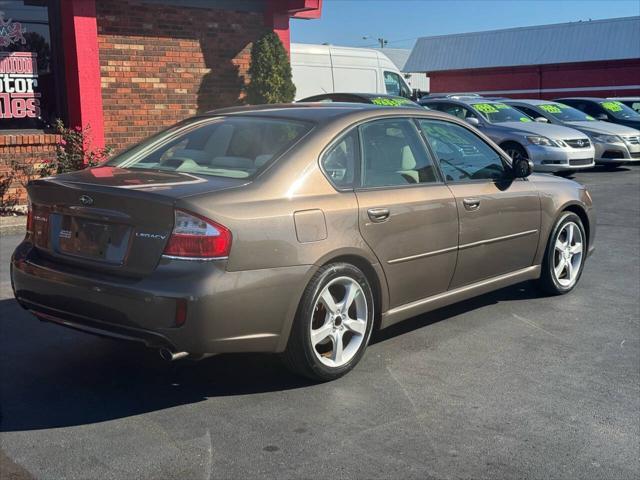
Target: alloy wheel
{"x": 339, "y": 322}
{"x": 568, "y": 251}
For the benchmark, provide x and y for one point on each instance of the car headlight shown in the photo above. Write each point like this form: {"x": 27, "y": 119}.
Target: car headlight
{"x": 542, "y": 141}
{"x": 606, "y": 139}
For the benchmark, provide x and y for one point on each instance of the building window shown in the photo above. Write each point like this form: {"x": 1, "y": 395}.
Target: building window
{"x": 28, "y": 93}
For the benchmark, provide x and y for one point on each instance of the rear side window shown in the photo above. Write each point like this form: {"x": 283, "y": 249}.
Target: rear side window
{"x": 236, "y": 147}
{"x": 393, "y": 154}
{"x": 463, "y": 156}
{"x": 340, "y": 160}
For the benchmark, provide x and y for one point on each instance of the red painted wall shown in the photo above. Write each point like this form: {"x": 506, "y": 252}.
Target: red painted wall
{"x": 82, "y": 67}
{"x": 541, "y": 81}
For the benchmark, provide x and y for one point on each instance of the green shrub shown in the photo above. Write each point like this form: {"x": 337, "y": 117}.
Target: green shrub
{"x": 270, "y": 72}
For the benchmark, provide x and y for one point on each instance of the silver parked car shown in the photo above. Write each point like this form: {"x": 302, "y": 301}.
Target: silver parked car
{"x": 551, "y": 148}
{"x": 615, "y": 144}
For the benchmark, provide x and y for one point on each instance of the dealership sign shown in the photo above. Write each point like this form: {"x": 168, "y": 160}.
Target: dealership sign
{"x": 10, "y": 32}
{"x": 18, "y": 81}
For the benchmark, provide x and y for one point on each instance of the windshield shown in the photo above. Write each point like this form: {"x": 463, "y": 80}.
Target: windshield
{"x": 565, "y": 113}
{"x": 234, "y": 147}
{"x": 620, "y": 110}
{"x": 499, "y": 113}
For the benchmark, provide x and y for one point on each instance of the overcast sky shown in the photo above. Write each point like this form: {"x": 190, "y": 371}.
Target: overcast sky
{"x": 345, "y": 22}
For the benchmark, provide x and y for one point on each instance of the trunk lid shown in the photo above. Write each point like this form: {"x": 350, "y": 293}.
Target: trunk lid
{"x": 111, "y": 219}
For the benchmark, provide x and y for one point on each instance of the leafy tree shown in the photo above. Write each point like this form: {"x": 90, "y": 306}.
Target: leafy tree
{"x": 270, "y": 72}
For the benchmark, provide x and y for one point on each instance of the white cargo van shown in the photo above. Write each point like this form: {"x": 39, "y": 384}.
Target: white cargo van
{"x": 320, "y": 69}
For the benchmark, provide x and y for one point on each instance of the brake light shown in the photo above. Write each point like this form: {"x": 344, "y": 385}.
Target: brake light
{"x": 194, "y": 236}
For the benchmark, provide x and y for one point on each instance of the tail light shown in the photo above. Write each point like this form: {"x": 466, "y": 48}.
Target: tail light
{"x": 38, "y": 224}
{"x": 194, "y": 236}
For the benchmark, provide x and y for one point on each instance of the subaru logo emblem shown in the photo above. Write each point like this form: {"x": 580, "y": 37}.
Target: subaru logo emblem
{"x": 86, "y": 200}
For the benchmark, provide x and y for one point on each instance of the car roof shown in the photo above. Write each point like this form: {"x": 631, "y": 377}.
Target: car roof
{"x": 320, "y": 112}
{"x": 463, "y": 100}
{"x": 634, "y": 99}
{"x": 354, "y": 94}
{"x": 363, "y": 96}
{"x": 590, "y": 99}
{"x": 529, "y": 101}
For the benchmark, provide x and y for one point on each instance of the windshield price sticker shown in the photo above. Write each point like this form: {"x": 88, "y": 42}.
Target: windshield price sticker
{"x": 501, "y": 106}
{"x": 612, "y": 106}
{"x": 525, "y": 119}
{"x": 551, "y": 108}
{"x": 485, "y": 108}
{"x": 389, "y": 102}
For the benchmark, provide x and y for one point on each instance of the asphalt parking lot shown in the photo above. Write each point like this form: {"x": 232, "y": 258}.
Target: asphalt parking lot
{"x": 508, "y": 385}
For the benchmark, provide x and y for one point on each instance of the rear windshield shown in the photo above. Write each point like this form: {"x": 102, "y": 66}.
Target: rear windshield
{"x": 565, "y": 113}
{"x": 499, "y": 113}
{"x": 234, "y": 147}
{"x": 620, "y": 110}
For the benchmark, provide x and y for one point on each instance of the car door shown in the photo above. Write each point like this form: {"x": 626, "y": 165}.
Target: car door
{"x": 499, "y": 215}
{"x": 407, "y": 215}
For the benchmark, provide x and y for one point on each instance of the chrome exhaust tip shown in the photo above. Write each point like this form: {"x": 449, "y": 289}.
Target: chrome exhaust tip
{"x": 170, "y": 356}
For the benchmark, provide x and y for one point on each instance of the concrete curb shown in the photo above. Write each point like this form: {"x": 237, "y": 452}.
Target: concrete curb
{"x": 12, "y": 225}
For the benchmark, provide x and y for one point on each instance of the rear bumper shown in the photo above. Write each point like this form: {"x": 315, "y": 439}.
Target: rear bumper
{"x": 555, "y": 159}
{"x": 248, "y": 311}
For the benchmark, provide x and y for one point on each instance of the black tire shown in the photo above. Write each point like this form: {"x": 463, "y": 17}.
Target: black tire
{"x": 515, "y": 151}
{"x": 300, "y": 356}
{"x": 548, "y": 281}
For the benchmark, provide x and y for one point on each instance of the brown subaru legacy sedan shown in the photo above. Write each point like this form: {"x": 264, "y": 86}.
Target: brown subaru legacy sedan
{"x": 293, "y": 229}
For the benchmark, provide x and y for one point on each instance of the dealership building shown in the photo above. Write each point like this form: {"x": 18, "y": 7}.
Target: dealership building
{"x": 588, "y": 58}
{"x": 126, "y": 68}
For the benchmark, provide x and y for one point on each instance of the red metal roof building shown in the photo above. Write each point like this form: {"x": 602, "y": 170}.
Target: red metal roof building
{"x": 592, "y": 58}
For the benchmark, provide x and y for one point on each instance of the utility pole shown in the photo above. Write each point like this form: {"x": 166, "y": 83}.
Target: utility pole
{"x": 382, "y": 41}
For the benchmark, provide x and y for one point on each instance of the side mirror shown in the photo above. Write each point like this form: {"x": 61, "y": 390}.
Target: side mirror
{"x": 522, "y": 168}
{"x": 417, "y": 94}
{"x": 472, "y": 121}
{"x": 542, "y": 119}
{"x": 602, "y": 116}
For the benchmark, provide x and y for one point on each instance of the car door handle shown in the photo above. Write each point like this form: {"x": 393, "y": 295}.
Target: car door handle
{"x": 471, "y": 203}
{"x": 378, "y": 214}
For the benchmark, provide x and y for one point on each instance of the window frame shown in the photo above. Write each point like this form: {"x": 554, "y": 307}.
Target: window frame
{"x": 356, "y": 166}
{"x": 505, "y": 161}
{"x": 359, "y": 187}
{"x": 401, "y": 84}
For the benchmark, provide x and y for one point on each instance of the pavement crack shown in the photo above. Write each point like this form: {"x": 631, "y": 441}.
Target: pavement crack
{"x": 537, "y": 327}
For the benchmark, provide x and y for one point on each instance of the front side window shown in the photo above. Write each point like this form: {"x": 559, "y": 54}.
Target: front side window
{"x": 340, "y": 160}
{"x": 395, "y": 85}
{"x": 235, "y": 147}
{"x": 393, "y": 154}
{"x": 463, "y": 156}
{"x": 457, "y": 111}
{"x": 28, "y": 95}
{"x": 499, "y": 113}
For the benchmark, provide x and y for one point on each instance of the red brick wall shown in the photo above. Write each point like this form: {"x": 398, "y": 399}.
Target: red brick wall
{"x": 26, "y": 149}
{"x": 160, "y": 64}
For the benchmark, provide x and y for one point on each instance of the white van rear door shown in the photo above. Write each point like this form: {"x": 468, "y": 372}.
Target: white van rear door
{"x": 311, "y": 70}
